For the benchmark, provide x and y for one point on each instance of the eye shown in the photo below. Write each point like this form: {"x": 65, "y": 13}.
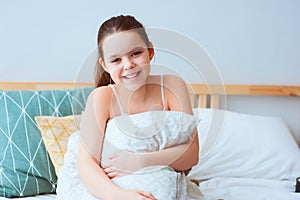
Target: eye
{"x": 115, "y": 60}
{"x": 138, "y": 52}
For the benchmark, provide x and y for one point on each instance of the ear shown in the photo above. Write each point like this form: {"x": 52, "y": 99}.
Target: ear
{"x": 151, "y": 51}
{"x": 102, "y": 64}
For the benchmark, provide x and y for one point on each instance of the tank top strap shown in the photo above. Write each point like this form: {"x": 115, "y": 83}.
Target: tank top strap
{"x": 162, "y": 91}
{"x": 117, "y": 97}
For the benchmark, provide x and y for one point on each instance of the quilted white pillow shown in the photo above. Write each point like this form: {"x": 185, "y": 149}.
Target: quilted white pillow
{"x": 243, "y": 145}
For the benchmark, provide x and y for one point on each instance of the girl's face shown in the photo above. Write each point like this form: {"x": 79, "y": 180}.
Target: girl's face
{"x": 127, "y": 59}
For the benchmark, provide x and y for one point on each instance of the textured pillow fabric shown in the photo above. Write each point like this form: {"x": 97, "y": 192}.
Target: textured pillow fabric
{"x": 25, "y": 167}
{"x": 55, "y": 133}
{"x": 245, "y": 145}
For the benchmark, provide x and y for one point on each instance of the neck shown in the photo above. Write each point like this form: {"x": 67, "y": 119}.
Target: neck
{"x": 133, "y": 95}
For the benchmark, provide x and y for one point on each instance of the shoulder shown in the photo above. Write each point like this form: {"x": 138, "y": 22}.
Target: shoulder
{"x": 173, "y": 82}
{"x": 99, "y": 98}
{"x": 177, "y": 94}
{"x": 101, "y": 94}
{"x": 170, "y": 82}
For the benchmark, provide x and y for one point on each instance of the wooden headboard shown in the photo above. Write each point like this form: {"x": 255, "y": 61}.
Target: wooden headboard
{"x": 210, "y": 94}
{"x": 201, "y": 95}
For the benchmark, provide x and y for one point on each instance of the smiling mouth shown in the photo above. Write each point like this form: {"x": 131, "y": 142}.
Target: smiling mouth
{"x": 132, "y": 75}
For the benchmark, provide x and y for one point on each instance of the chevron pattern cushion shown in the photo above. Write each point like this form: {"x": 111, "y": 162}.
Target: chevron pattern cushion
{"x": 25, "y": 166}
{"x": 55, "y": 133}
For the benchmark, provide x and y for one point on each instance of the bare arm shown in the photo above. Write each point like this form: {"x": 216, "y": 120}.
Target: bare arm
{"x": 181, "y": 157}
{"x": 185, "y": 156}
{"x": 91, "y": 141}
{"x": 92, "y": 130}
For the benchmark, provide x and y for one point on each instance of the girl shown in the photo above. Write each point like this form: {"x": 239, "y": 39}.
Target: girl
{"x": 138, "y": 134}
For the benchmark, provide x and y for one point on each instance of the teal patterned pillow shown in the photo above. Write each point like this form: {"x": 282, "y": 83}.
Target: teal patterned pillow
{"x": 25, "y": 166}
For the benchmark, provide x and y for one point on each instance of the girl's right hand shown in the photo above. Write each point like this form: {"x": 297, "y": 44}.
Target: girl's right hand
{"x": 138, "y": 195}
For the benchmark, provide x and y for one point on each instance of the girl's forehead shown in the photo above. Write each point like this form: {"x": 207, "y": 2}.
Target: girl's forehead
{"x": 121, "y": 42}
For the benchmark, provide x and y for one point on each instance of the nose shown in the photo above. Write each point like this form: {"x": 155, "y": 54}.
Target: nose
{"x": 128, "y": 64}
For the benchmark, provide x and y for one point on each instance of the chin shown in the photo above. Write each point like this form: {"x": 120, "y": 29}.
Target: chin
{"x": 133, "y": 85}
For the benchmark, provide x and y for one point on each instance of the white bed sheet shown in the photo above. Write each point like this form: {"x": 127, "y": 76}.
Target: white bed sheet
{"x": 229, "y": 189}
{"x": 38, "y": 197}
{"x": 248, "y": 189}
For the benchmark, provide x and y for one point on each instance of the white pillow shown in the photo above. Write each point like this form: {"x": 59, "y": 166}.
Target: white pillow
{"x": 242, "y": 145}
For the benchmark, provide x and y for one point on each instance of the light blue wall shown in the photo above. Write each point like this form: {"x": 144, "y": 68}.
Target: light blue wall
{"x": 250, "y": 41}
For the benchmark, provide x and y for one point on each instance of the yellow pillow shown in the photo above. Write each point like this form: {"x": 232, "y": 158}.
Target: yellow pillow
{"x": 55, "y": 132}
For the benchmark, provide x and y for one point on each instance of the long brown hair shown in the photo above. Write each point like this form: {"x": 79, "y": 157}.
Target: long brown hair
{"x": 111, "y": 26}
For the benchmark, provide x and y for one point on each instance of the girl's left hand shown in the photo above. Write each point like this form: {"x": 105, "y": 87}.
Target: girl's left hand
{"x": 122, "y": 163}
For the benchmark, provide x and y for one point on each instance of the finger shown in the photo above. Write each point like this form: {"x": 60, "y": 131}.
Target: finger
{"x": 106, "y": 164}
{"x": 108, "y": 170}
{"x": 112, "y": 174}
{"x": 146, "y": 194}
{"x": 147, "y": 198}
{"x": 119, "y": 174}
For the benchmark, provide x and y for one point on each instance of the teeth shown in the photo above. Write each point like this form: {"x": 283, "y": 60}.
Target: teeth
{"x": 131, "y": 76}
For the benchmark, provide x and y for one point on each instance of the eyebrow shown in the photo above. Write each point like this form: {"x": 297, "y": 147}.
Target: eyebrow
{"x": 133, "y": 49}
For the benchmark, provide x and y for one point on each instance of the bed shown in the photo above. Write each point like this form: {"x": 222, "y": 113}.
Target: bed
{"x": 242, "y": 156}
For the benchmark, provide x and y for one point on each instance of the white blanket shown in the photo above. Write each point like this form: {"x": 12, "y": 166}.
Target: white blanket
{"x": 248, "y": 189}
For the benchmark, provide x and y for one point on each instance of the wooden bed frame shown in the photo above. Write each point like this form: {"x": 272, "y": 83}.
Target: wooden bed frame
{"x": 201, "y": 94}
